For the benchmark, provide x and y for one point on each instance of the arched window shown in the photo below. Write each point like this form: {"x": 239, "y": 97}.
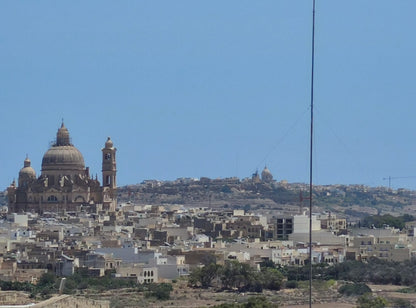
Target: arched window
{"x": 79, "y": 199}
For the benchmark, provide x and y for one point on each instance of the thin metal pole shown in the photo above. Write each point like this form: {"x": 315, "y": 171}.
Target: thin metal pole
{"x": 310, "y": 160}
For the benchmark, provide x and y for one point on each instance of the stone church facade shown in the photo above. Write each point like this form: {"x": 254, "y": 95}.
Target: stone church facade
{"x": 65, "y": 184}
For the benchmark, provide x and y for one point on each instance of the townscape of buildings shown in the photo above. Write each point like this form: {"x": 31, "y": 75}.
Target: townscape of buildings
{"x": 65, "y": 220}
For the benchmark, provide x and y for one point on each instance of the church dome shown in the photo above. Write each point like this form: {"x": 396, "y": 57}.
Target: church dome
{"x": 63, "y": 155}
{"x": 266, "y": 175}
{"x": 27, "y": 169}
{"x": 26, "y": 174}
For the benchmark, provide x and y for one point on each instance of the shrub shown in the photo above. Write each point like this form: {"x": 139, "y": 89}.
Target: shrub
{"x": 291, "y": 284}
{"x": 400, "y": 303}
{"x": 160, "y": 291}
{"x": 368, "y": 301}
{"x": 354, "y": 289}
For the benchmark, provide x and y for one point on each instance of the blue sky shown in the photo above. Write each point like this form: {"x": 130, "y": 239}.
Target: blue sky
{"x": 212, "y": 88}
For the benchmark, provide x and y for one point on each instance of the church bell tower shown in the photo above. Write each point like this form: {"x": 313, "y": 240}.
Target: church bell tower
{"x": 109, "y": 165}
{"x": 109, "y": 170}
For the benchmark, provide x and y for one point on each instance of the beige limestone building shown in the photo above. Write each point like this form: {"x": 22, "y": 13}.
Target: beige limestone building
{"x": 65, "y": 183}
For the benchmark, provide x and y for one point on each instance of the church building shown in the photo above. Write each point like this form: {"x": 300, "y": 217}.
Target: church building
{"x": 65, "y": 183}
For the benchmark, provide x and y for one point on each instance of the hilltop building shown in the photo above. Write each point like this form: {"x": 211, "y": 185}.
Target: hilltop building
{"x": 266, "y": 175}
{"x": 65, "y": 183}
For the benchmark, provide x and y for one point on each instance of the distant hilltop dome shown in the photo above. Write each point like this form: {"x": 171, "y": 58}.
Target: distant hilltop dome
{"x": 266, "y": 175}
{"x": 65, "y": 184}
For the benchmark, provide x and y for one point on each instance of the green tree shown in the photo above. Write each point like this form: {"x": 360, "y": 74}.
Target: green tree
{"x": 209, "y": 273}
{"x": 47, "y": 279}
{"x": 272, "y": 278}
{"x": 194, "y": 278}
{"x": 47, "y": 285}
{"x": 408, "y": 217}
{"x": 379, "y": 221}
{"x": 161, "y": 291}
{"x": 267, "y": 263}
{"x": 16, "y": 285}
{"x": 204, "y": 276}
{"x": 236, "y": 274}
{"x": 354, "y": 289}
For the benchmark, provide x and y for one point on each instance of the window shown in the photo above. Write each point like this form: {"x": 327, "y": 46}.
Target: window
{"x": 52, "y": 198}
{"x": 79, "y": 199}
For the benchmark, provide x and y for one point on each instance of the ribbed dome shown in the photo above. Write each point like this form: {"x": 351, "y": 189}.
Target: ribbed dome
{"x": 27, "y": 169}
{"x": 63, "y": 157}
{"x": 26, "y": 174}
{"x": 266, "y": 175}
{"x": 265, "y": 171}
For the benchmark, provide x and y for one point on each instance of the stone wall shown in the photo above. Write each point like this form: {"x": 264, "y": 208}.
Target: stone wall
{"x": 65, "y": 301}
{"x": 11, "y": 298}
{"x": 14, "y": 297}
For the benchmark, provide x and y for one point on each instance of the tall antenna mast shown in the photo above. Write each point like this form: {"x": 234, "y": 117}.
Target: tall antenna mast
{"x": 310, "y": 159}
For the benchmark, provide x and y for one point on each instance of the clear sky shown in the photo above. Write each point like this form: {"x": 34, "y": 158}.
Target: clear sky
{"x": 212, "y": 88}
